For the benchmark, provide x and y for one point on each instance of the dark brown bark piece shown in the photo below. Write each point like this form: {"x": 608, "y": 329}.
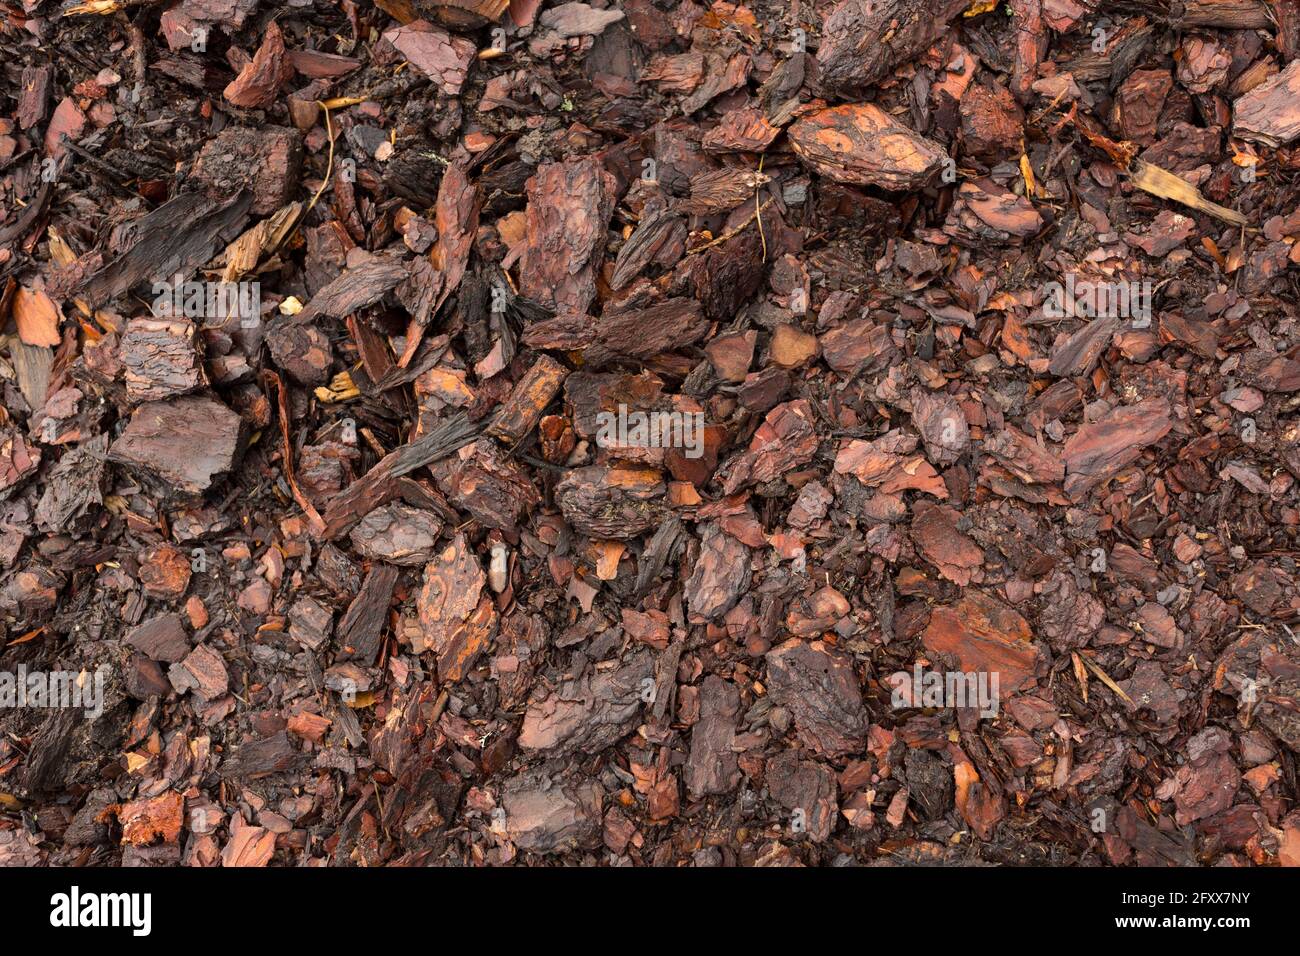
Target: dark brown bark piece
{"x": 820, "y": 689}
{"x": 187, "y": 443}
{"x": 712, "y": 767}
{"x": 161, "y": 638}
{"x": 360, "y": 630}
{"x": 720, "y": 576}
{"x": 265, "y": 161}
{"x": 865, "y": 41}
{"x": 615, "y": 503}
{"x": 569, "y": 206}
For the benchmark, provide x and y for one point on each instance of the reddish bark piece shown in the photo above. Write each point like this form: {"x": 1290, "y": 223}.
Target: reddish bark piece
{"x": 37, "y": 317}
{"x": 18, "y": 459}
{"x": 151, "y": 819}
{"x": 942, "y": 425}
{"x": 786, "y": 439}
{"x": 712, "y": 766}
{"x": 858, "y": 346}
{"x": 258, "y": 84}
{"x": 543, "y": 815}
{"x": 650, "y": 628}
{"x": 590, "y": 712}
{"x": 202, "y": 671}
{"x": 1098, "y": 450}
{"x": 1270, "y": 113}
{"x": 732, "y": 354}
{"x": 188, "y": 443}
{"x": 862, "y": 144}
{"x": 161, "y": 359}
{"x": 519, "y": 413}
{"x": 988, "y": 213}
{"x": 164, "y": 572}
{"x": 741, "y": 130}
{"x": 569, "y": 206}
{"x": 934, "y": 529}
{"x": 34, "y": 102}
{"x": 820, "y": 689}
{"x": 986, "y": 636}
{"x": 888, "y": 463}
{"x": 720, "y": 576}
{"x": 266, "y": 161}
{"x": 437, "y": 54}
{"x": 162, "y": 638}
{"x": 980, "y": 804}
{"x": 992, "y": 123}
{"x": 792, "y": 347}
{"x": 310, "y": 622}
{"x": 1138, "y": 103}
{"x": 453, "y": 582}
{"x": 67, "y": 121}
{"x": 482, "y": 480}
{"x": 249, "y": 846}
{"x": 1208, "y": 782}
{"x": 459, "y": 652}
{"x": 303, "y": 351}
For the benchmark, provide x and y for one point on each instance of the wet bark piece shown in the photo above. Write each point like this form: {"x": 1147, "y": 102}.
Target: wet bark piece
{"x": 569, "y": 206}
{"x": 988, "y": 213}
{"x": 161, "y": 638}
{"x": 362, "y": 285}
{"x": 1099, "y": 450}
{"x": 865, "y": 41}
{"x": 360, "y": 631}
{"x": 808, "y": 790}
{"x": 176, "y": 238}
{"x": 588, "y": 713}
{"x": 712, "y": 766}
{"x": 161, "y": 359}
{"x": 453, "y": 583}
{"x": 987, "y": 637}
{"x": 433, "y": 51}
{"x": 548, "y": 816}
{"x": 820, "y": 689}
{"x": 520, "y": 413}
{"x": 188, "y": 443}
{"x": 398, "y": 534}
{"x": 265, "y": 161}
{"x": 1270, "y": 113}
{"x": 34, "y": 103}
{"x": 378, "y": 485}
{"x": 720, "y": 576}
{"x": 862, "y": 144}
{"x": 644, "y": 333}
{"x": 618, "y": 503}
{"x": 482, "y": 480}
